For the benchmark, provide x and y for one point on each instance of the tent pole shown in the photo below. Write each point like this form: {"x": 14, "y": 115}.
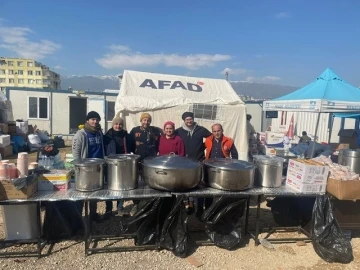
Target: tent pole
{"x": 331, "y": 122}
{"x": 316, "y": 131}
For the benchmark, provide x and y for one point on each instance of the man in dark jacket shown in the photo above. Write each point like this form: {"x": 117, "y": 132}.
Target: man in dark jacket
{"x": 193, "y": 136}
{"x": 146, "y": 139}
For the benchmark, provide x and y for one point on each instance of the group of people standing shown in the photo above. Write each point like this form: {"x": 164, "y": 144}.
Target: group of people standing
{"x": 146, "y": 140}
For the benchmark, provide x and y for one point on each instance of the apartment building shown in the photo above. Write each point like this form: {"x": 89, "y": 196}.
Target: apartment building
{"x": 21, "y": 72}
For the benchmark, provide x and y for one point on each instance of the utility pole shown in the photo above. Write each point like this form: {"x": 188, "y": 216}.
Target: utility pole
{"x": 227, "y": 75}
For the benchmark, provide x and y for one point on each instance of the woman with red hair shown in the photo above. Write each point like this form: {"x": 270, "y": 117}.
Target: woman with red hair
{"x": 171, "y": 143}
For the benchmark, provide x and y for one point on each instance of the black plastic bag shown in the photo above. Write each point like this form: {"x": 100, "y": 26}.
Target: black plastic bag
{"x": 327, "y": 238}
{"x": 223, "y": 222}
{"x": 290, "y": 211}
{"x": 144, "y": 222}
{"x": 174, "y": 235}
{"x": 62, "y": 219}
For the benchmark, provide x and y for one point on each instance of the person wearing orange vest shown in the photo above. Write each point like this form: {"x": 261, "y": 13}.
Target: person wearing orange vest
{"x": 218, "y": 145}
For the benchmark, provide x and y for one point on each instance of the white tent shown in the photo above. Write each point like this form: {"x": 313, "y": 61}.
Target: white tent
{"x": 166, "y": 97}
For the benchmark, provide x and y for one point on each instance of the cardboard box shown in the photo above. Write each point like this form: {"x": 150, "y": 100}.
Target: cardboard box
{"x": 307, "y": 178}
{"x": 4, "y": 140}
{"x": 22, "y": 127}
{"x": 45, "y": 185}
{"x": 308, "y": 167}
{"x": 12, "y": 127}
{"x": 4, "y": 128}
{"x": 303, "y": 187}
{"x": 9, "y": 192}
{"x": 344, "y": 190}
{"x": 56, "y": 180}
{"x": 6, "y": 151}
{"x": 274, "y": 138}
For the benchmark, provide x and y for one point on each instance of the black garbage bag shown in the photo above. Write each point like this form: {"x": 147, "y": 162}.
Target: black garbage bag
{"x": 62, "y": 219}
{"x": 223, "y": 222}
{"x": 174, "y": 235}
{"x": 290, "y": 211}
{"x": 144, "y": 222}
{"x": 327, "y": 238}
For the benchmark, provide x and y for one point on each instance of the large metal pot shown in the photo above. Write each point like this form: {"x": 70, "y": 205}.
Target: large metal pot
{"x": 228, "y": 174}
{"x": 268, "y": 171}
{"x": 171, "y": 172}
{"x": 122, "y": 171}
{"x": 89, "y": 174}
{"x": 351, "y": 158}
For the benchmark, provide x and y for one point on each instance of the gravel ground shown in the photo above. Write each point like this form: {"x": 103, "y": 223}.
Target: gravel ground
{"x": 70, "y": 254}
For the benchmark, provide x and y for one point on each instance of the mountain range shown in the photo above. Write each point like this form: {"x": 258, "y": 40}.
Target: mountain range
{"x": 100, "y": 83}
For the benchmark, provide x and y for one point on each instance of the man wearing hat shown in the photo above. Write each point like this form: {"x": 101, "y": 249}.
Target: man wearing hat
{"x": 88, "y": 143}
{"x": 146, "y": 139}
{"x": 193, "y": 136}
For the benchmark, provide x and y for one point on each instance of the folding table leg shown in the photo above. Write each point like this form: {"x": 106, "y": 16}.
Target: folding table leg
{"x": 247, "y": 214}
{"x": 38, "y": 214}
{"x": 87, "y": 225}
{"x": 257, "y": 221}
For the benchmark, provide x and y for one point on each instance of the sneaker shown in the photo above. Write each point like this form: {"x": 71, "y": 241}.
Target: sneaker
{"x": 134, "y": 210}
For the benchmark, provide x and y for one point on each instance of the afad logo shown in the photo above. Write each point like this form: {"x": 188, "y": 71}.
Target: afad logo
{"x": 172, "y": 85}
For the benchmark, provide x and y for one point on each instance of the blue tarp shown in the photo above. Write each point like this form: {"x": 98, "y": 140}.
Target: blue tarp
{"x": 328, "y": 86}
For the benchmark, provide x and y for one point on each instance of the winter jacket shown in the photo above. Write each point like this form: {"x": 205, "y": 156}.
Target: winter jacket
{"x": 194, "y": 140}
{"x": 80, "y": 147}
{"x": 146, "y": 141}
{"x": 118, "y": 142}
{"x": 227, "y": 147}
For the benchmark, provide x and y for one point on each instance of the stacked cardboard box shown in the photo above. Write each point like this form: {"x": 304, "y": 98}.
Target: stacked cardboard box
{"x": 307, "y": 176}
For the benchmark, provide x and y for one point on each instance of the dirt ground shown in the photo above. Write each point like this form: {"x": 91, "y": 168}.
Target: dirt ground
{"x": 70, "y": 254}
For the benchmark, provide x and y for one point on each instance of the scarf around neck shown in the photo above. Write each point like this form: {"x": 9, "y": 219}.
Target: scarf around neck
{"x": 91, "y": 129}
{"x": 190, "y": 131}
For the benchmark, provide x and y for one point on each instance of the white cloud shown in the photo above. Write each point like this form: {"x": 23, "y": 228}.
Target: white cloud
{"x": 122, "y": 57}
{"x": 58, "y": 67}
{"x": 282, "y": 15}
{"x": 235, "y": 71}
{"x": 265, "y": 79}
{"x": 16, "y": 39}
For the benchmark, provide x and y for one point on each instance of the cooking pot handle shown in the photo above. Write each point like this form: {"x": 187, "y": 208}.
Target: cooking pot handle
{"x": 161, "y": 172}
{"x": 98, "y": 168}
{"x": 172, "y": 154}
{"x": 215, "y": 170}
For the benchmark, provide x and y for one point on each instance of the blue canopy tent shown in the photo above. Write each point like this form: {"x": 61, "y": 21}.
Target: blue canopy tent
{"x": 327, "y": 94}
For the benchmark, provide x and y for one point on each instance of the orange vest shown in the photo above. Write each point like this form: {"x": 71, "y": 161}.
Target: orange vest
{"x": 226, "y": 144}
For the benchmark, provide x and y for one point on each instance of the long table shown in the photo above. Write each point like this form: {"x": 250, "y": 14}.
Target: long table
{"x": 259, "y": 192}
{"x": 143, "y": 192}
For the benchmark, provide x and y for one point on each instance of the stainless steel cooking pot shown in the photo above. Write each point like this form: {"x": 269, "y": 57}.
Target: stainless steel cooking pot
{"x": 228, "y": 174}
{"x": 171, "y": 172}
{"x": 89, "y": 174}
{"x": 268, "y": 171}
{"x": 351, "y": 158}
{"x": 122, "y": 171}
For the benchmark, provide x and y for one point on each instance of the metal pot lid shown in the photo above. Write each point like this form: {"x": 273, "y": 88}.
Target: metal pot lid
{"x": 171, "y": 162}
{"x": 350, "y": 152}
{"x": 121, "y": 156}
{"x": 229, "y": 164}
{"x": 269, "y": 160}
{"x": 85, "y": 162}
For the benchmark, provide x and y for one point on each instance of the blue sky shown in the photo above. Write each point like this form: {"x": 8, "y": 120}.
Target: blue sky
{"x": 275, "y": 41}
